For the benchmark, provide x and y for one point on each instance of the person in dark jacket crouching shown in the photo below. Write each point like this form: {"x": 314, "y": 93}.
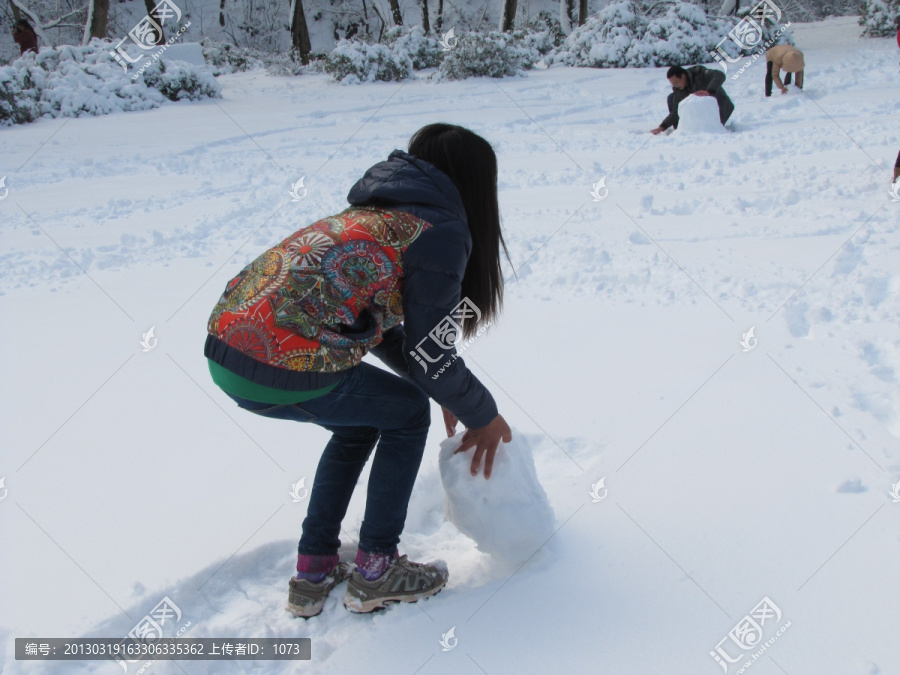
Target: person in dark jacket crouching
{"x": 411, "y": 266}
{"x": 698, "y": 80}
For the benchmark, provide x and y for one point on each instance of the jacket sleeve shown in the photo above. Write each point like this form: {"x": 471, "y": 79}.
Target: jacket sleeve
{"x": 672, "y": 117}
{"x": 433, "y": 269}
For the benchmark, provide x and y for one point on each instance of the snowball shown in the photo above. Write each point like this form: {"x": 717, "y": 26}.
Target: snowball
{"x": 699, "y": 114}
{"x": 507, "y": 515}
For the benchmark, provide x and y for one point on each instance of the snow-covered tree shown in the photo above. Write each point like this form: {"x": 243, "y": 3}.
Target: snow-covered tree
{"x": 879, "y": 17}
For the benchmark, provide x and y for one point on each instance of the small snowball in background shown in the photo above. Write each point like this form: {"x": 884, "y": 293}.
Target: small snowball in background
{"x": 507, "y": 515}
{"x": 699, "y": 114}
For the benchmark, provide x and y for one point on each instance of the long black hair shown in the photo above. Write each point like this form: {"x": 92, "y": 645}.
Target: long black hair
{"x": 470, "y": 163}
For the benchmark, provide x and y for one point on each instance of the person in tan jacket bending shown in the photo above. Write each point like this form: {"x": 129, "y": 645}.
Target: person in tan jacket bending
{"x": 787, "y": 58}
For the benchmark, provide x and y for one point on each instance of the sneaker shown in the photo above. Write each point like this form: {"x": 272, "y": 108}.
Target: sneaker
{"x": 307, "y": 599}
{"x": 404, "y": 581}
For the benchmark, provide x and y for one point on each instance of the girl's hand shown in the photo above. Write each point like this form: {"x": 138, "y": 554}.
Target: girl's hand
{"x": 485, "y": 441}
{"x": 450, "y": 422}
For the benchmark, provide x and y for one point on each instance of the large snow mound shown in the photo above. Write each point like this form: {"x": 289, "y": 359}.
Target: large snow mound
{"x": 508, "y": 515}
{"x": 699, "y": 114}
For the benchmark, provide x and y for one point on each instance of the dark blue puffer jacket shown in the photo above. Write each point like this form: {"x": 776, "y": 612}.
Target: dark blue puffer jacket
{"x": 433, "y": 269}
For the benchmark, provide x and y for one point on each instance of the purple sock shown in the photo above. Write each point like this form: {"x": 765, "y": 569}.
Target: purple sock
{"x": 314, "y": 568}
{"x": 373, "y": 565}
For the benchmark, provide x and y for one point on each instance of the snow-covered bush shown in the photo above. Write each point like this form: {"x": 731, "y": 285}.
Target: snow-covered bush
{"x": 879, "y": 17}
{"x": 424, "y": 51}
{"x": 543, "y": 33}
{"x": 684, "y": 35}
{"x": 487, "y": 55}
{"x": 605, "y": 39}
{"x": 625, "y": 34}
{"x": 352, "y": 62}
{"x": 181, "y": 82}
{"x": 71, "y": 81}
{"x": 227, "y": 58}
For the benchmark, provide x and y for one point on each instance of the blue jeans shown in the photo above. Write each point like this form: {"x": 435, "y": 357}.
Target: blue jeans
{"x": 369, "y": 407}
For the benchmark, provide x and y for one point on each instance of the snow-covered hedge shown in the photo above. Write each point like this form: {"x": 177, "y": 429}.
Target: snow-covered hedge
{"x": 879, "y": 17}
{"x": 683, "y": 35}
{"x": 72, "y": 81}
{"x": 225, "y": 58}
{"x": 543, "y": 33}
{"x": 352, "y": 62}
{"x": 404, "y": 50}
{"x": 623, "y": 35}
{"x": 487, "y": 55}
{"x": 423, "y": 50}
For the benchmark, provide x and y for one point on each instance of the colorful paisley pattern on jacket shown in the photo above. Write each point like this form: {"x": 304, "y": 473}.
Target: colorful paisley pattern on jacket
{"x": 292, "y": 307}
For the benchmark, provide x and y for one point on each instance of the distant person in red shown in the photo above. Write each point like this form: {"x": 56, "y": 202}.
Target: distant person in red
{"x": 25, "y": 36}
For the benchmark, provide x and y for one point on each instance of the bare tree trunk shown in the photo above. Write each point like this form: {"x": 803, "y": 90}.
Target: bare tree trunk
{"x": 300, "y": 31}
{"x": 425, "y": 23}
{"x": 150, "y": 5}
{"x": 439, "y": 24}
{"x": 509, "y": 16}
{"x": 95, "y": 26}
{"x": 395, "y": 12}
{"x": 222, "y": 13}
{"x": 582, "y": 11}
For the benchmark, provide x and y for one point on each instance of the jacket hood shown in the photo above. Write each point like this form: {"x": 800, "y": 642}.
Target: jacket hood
{"x": 406, "y": 180}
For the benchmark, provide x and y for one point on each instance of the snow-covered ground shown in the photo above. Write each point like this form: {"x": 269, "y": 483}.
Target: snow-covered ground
{"x": 730, "y": 476}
